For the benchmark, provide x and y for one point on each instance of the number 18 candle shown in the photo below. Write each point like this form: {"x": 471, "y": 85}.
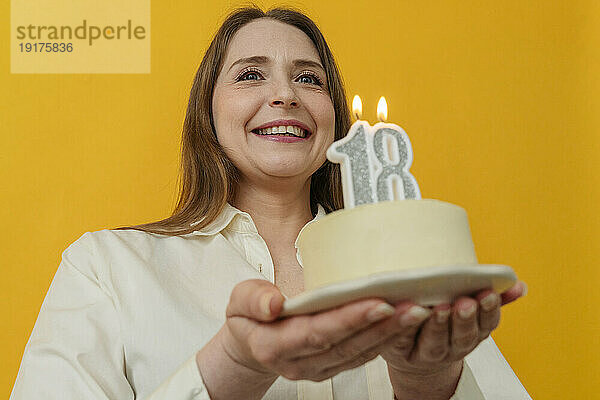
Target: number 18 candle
{"x": 374, "y": 160}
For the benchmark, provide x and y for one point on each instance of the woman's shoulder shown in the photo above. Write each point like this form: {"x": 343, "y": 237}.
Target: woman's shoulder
{"x": 107, "y": 256}
{"x": 115, "y": 243}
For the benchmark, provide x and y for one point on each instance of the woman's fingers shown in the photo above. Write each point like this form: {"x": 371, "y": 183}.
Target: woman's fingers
{"x": 286, "y": 346}
{"x": 308, "y": 335}
{"x": 349, "y": 354}
{"x": 398, "y": 331}
{"x": 255, "y": 299}
{"x": 512, "y": 294}
{"x": 434, "y": 340}
{"x": 489, "y": 312}
{"x": 397, "y": 350}
{"x": 410, "y": 319}
{"x": 401, "y": 330}
{"x": 453, "y": 332}
{"x": 465, "y": 327}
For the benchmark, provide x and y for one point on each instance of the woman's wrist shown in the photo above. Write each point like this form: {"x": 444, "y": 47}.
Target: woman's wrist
{"x": 225, "y": 378}
{"x": 433, "y": 385}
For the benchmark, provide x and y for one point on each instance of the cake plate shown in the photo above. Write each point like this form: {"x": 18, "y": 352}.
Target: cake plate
{"x": 425, "y": 286}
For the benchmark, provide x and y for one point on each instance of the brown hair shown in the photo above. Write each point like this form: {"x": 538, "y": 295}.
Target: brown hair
{"x": 208, "y": 179}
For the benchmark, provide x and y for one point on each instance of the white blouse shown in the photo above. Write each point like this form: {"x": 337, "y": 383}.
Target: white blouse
{"x": 127, "y": 311}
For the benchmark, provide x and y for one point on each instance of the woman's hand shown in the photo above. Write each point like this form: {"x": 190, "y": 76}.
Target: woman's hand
{"x": 313, "y": 347}
{"x": 253, "y": 348}
{"x": 444, "y": 340}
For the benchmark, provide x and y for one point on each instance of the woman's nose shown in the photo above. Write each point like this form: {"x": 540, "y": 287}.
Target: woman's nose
{"x": 284, "y": 96}
{"x": 292, "y": 103}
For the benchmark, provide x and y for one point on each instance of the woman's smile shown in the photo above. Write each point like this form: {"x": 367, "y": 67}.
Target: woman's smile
{"x": 284, "y": 131}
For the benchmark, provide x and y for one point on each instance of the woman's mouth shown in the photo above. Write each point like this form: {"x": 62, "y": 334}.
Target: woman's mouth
{"x": 283, "y": 133}
{"x": 283, "y": 130}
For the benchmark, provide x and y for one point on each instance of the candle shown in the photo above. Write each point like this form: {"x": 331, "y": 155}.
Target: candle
{"x": 374, "y": 161}
{"x": 393, "y": 180}
{"x": 354, "y": 154}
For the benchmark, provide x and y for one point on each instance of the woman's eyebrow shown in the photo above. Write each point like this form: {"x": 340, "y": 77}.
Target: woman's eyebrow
{"x": 308, "y": 63}
{"x": 266, "y": 60}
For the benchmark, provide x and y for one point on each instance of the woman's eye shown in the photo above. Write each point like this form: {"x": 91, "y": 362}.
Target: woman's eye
{"x": 249, "y": 76}
{"x": 312, "y": 79}
{"x": 306, "y": 77}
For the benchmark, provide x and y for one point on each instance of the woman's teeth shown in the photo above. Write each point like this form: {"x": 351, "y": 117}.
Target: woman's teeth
{"x": 288, "y": 130}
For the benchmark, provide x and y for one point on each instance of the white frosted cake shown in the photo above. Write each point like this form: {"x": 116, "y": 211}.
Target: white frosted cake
{"x": 380, "y": 237}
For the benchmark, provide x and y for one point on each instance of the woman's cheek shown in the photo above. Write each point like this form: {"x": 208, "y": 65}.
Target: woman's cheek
{"x": 242, "y": 106}
{"x": 320, "y": 107}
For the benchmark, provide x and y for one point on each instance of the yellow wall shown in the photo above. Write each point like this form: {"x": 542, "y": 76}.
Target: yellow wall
{"x": 500, "y": 100}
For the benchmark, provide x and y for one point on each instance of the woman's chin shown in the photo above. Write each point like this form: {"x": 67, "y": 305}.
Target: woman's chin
{"x": 282, "y": 171}
{"x": 285, "y": 173}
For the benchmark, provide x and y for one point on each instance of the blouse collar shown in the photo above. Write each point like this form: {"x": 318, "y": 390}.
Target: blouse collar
{"x": 243, "y": 222}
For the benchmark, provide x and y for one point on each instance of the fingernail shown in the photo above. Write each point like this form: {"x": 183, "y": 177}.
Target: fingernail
{"x": 468, "y": 312}
{"x": 265, "y": 304}
{"x": 415, "y": 316}
{"x": 525, "y": 289}
{"x": 442, "y": 316}
{"x": 489, "y": 302}
{"x": 380, "y": 312}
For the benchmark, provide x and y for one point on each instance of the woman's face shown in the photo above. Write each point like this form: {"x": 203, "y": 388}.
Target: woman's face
{"x": 284, "y": 81}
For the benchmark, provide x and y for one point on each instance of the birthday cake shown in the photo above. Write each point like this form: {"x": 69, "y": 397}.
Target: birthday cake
{"x": 380, "y": 237}
{"x": 385, "y": 226}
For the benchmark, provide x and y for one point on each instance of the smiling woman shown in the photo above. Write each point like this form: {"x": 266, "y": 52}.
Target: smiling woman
{"x": 274, "y": 78}
{"x": 237, "y": 73}
{"x": 188, "y": 307}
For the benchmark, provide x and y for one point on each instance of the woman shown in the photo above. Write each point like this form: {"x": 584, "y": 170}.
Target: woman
{"x": 187, "y": 307}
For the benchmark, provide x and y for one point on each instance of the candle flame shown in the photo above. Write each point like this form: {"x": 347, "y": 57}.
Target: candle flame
{"x": 357, "y": 107}
{"x": 382, "y": 109}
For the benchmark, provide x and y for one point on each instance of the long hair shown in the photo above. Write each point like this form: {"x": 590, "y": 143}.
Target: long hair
{"x": 207, "y": 178}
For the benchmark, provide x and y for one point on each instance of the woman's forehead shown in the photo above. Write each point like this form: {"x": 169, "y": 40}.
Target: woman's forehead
{"x": 272, "y": 39}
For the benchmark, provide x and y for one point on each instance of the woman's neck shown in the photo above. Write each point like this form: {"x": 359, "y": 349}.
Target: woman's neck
{"x": 278, "y": 212}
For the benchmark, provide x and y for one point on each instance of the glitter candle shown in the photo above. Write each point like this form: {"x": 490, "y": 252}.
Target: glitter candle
{"x": 393, "y": 159}
{"x": 354, "y": 154}
{"x": 374, "y": 161}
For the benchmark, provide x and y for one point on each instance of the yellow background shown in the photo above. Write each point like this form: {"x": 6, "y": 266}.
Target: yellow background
{"x": 500, "y": 100}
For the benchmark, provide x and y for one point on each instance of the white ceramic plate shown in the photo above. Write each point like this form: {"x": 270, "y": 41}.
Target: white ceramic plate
{"x": 425, "y": 286}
